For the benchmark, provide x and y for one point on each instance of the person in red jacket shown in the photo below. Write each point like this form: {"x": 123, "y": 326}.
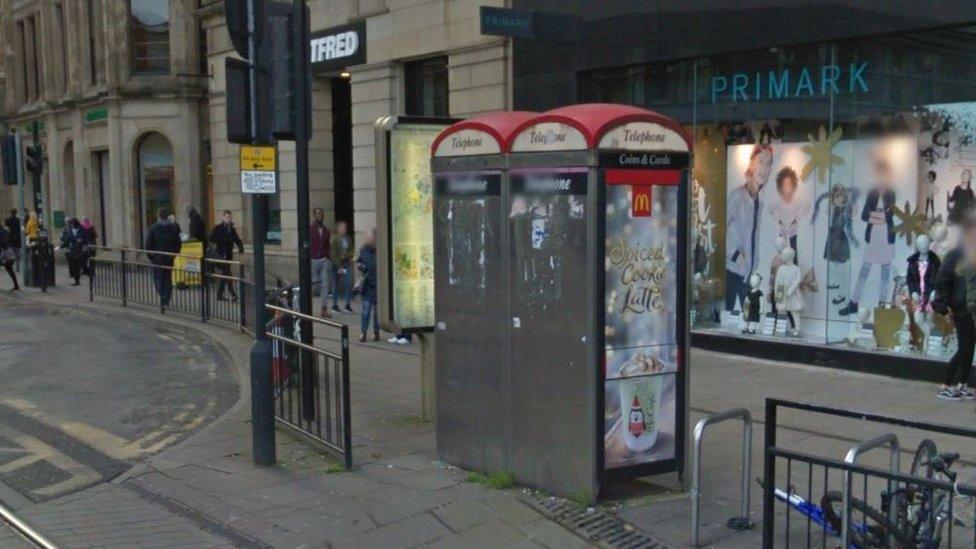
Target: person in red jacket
{"x": 320, "y": 251}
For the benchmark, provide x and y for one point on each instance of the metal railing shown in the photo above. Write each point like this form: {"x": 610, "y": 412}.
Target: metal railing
{"x": 25, "y": 530}
{"x": 888, "y": 439}
{"x": 211, "y": 289}
{"x": 741, "y": 522}
{"x": 867, "y": 498}
{"x": 310, "y": 376}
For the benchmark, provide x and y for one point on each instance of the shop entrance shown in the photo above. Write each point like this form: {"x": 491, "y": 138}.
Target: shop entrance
{"x": 100, "y": 165}
{"x": 342, "y": 150}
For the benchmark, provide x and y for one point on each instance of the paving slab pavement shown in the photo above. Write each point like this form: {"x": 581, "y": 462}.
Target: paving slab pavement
{"x": 399, "y": 495}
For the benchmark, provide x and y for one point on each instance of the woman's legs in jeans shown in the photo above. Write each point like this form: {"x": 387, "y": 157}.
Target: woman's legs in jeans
{"x": 368, "y": 307}
{"x": 343, "y": 280}
{"x": 862, "y": 277}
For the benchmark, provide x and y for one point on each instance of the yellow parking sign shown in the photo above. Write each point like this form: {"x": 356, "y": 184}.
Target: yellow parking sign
{"x": 257, "y": 158}
{"x": 258, "y": 174}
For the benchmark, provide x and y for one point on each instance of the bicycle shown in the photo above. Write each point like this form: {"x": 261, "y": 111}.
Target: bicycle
{"x": 911, "y": 517}
{"x": 819, "y": 515}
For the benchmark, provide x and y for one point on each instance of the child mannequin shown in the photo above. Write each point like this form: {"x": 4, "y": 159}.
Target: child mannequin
{"x": 787, "y": 296}
{"x": 920, "y": 277}
{"x": 774, "y": 264}
{"x": 755, "y": 304}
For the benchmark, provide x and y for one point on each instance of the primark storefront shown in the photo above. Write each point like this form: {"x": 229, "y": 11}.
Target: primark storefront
{"x": 835, "y": 146}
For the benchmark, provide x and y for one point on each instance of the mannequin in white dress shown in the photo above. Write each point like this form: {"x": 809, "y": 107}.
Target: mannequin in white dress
{"x": 787, "y": 293}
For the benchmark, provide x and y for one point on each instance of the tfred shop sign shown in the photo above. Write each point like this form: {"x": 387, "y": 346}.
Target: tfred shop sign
{"x": 335, "y": 49}
{"x": 791, "y": 83}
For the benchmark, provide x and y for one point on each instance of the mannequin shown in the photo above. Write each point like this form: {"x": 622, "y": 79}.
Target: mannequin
{"x": 788, "y": 296}
{"x": 780, "y": 244}
{"x": 939, "y": 234}
{"x": 755, "y": 304}
{"x": 920, "y": 277}
{"x": 859, "y": 334}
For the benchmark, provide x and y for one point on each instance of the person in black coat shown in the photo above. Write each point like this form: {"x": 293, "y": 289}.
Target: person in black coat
{"x": 74, "y": 242}
{"x": 164, "y": 237}
{"x": 366, "y": 263}
{"x": 14, "y": 236}
{"x": 8, "y": 264}
{"x": 951, "y": 300}
{"x": 197, "y": 229}
{"x": 223, "y": 238}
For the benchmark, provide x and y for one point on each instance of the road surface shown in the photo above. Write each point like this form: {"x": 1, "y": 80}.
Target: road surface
{"x": 85, "y": 395}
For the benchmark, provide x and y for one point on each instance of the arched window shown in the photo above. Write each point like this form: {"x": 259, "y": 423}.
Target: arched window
{"x": 149, "y": 31}
{"x": 156, "y": 182}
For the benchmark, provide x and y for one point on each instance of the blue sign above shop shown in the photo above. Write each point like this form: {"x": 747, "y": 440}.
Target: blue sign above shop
{"x": 506, "y": 22}
{"x": 791, "y": 83}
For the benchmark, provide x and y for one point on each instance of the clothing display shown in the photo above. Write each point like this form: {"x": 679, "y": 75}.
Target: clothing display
{"x": 920, "y": 275}
{"x": 755, "y": 304}
{"x": 788, "y": 296}
{"x": 741, "y": 233}
{"x": 960, "y": 202}
{"x": 838, "y": 245}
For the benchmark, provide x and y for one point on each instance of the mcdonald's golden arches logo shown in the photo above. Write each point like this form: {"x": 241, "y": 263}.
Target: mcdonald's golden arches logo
{"x": 641, "y": 202}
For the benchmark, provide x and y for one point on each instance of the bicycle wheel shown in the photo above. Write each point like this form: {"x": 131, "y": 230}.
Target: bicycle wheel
{"x": 875, "y": 530}
{"x": 922, "y": 462}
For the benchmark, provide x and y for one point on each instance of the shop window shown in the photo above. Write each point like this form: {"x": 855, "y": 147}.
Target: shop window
{"x": 425, "y": 84}
{"x": 857, "y": 156}
{"x": 154, "y": 155}
{"x": 149, "y": 32}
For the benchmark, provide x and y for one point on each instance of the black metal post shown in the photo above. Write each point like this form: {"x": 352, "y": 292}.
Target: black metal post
{"x": 242, "y": 295}
{"x": 36, "y": 177}
{"x": 302, "y": 111}
{"x": 346, "y": 404}
{"x": 769, "y": 475}
{"x": 125, "y": 282}
{"x": 262, "y": 394}
{"x": 204, "y": 301}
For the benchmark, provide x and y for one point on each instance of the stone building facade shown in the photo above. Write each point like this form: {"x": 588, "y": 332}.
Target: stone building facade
{"x": 116, "y": 88}
{"x": 129, "y": 95}
{"x": 435, "y": 42}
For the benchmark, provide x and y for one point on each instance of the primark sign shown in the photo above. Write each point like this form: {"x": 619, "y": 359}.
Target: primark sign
{"x": 791, "y": 83}
{"x": 335, "y": 49}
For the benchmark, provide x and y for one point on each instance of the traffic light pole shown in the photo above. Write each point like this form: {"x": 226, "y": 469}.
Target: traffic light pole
{"x": 262, "y": 397}
{"x": 24, "y": 264}
{"x": 302, "y": 110}
{"x": 36, "y": 173}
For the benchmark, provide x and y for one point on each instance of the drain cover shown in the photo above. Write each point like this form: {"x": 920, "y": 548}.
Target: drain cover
{"x": 593, "y": 525}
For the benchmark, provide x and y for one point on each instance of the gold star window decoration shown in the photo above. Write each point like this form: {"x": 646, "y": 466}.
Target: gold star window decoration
{"x": 821, "y": 153}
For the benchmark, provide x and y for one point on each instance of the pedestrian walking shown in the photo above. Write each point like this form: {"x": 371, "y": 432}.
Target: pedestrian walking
{"x": 164, "y": 238}
{"x": 366, "y": 263}
{"x": 320, "y": 252}
{"x": 74, "y": 242}
{"x": 223, "y": 239}
{"x": 7, "y": 257}
{"x": 14, "y": 234}
{"x": 955, "y": 297}
{"x": 341, "y": 248}
{"x": 197, "y": 229}
{"x": 91, "y": 235}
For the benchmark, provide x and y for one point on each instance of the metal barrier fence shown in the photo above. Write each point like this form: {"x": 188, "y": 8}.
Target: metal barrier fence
{"x": 827, "y": 502}
{"x": 212, "y": 289}
{"x": 311, "y": 382}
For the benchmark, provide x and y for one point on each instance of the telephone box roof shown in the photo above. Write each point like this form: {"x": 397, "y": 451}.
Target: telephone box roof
{"x": 498, "y": 126}
{"x": 594, "y": 120}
